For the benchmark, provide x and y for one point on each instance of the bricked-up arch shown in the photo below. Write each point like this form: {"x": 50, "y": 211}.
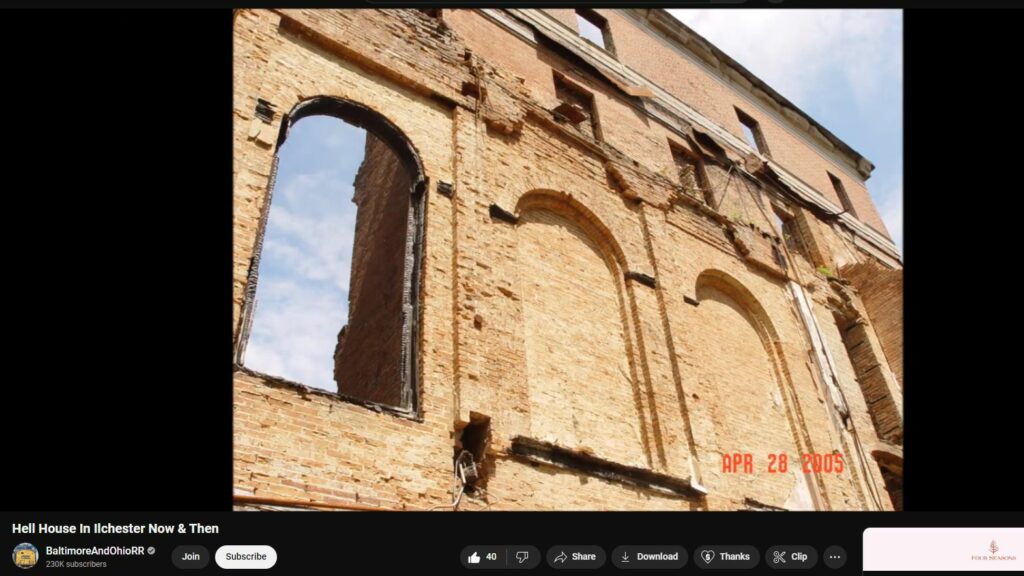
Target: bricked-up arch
{"x": 583, "y": 387}
{"x": 375, "y": 356}
{"x": 741, "y": 385}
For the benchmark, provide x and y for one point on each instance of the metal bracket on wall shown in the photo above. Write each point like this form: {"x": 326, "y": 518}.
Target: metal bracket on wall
{"x": 642, "y": 278}
{"x": 499, "y": 213}
{"x": 444, "y": 189}
{"x": 264, "y": 110}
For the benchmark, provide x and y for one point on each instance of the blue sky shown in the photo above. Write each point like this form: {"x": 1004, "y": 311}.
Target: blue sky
{"x": 842, "y": 67}
{"x": 302, "y": 294}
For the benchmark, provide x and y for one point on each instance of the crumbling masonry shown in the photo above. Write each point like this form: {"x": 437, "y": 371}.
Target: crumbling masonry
{"x": 576, "y": 284}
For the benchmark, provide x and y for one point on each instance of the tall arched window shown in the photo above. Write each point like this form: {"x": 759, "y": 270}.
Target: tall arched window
{"x": 583, "y": 394}
{"x": 332, "y": 295}
{"x": 868, "y": 368}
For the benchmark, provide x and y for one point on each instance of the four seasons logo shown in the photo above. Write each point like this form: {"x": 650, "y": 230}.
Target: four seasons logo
{"x": 993, "y": 549}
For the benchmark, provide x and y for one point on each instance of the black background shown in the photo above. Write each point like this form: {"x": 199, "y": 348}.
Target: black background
{"x": 118, "y": 181}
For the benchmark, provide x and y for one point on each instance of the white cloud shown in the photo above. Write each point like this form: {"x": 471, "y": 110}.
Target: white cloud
{"x": 311, "y": 228}
{"x": 314, "y": 249}
{"x": 794, "y": 51}
{"x": 293, "y": 335}
{"x": 302, "y": 295}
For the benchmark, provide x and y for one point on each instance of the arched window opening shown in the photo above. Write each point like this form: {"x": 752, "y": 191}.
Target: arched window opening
{"x": 335, "y": 303}
{"x": 891, "y": 467}
{"x": 868, "y": 369}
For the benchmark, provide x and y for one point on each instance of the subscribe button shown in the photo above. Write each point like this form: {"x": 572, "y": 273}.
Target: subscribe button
{"x": 246, "y": 557}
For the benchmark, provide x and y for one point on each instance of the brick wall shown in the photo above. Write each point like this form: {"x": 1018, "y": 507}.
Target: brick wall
{"x": 881, "y": 289}
{"x": 368, "y": 359}
{"x": 692, "y": 83}
{"x": 557, "y": 303}
{"x": 582, "y": 391}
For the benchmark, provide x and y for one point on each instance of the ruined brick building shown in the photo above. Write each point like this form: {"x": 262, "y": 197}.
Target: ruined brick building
{"x": 588, "y": 269}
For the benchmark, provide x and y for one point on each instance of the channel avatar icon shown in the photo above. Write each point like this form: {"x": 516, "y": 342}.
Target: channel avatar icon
{"x": 25, "y": 555}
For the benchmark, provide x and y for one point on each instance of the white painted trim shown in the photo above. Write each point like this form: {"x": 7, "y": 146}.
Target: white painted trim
{"x": 847, "y": 165}
{"x": 830, "y": 377}
{"x": 501, "y": 18}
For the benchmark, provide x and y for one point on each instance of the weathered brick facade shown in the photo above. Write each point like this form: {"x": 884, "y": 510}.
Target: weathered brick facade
{"x": 598, "y": 330}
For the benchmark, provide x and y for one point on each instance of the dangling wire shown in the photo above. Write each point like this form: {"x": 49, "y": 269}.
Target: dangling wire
{"x": 725, "y": 190}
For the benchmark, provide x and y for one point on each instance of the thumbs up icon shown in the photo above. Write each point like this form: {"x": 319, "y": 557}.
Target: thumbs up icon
{"x": 474, "y": 558}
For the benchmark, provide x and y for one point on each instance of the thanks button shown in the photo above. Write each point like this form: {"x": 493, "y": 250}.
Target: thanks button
{"x": 246, "y": 557}
{"x": 734, "y": 557}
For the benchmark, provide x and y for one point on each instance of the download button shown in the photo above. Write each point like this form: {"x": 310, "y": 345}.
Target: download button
{"x": 668, "y": 557}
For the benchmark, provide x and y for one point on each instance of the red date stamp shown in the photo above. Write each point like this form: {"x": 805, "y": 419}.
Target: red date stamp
{"x": 743, "y": 463}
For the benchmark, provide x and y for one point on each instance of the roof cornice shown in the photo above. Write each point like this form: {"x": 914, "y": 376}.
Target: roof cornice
{"x": 692, "y": 42}
{"x": 866, "y": 237}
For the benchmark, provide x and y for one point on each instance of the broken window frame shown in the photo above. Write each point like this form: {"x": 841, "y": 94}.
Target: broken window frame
{"x": 374, "y": 123}
{"x": 789, "y": 231}
{"x": 760, "y": 144}
{"x": 597, "y": 21}
{"x": 844, "y": 196}
{"x": 564, "y": 84}
{"x": 700, "y": 175}
{"x": 890, "y": 467}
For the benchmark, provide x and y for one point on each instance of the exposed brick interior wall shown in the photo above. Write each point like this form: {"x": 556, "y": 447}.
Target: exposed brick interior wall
{"x": 892, "y": 471}
{"x": 368, "y": 359}
{"x": 881, "y": 289}
{"x": 573, "y": 294}
{"x": 869, "y": 371}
